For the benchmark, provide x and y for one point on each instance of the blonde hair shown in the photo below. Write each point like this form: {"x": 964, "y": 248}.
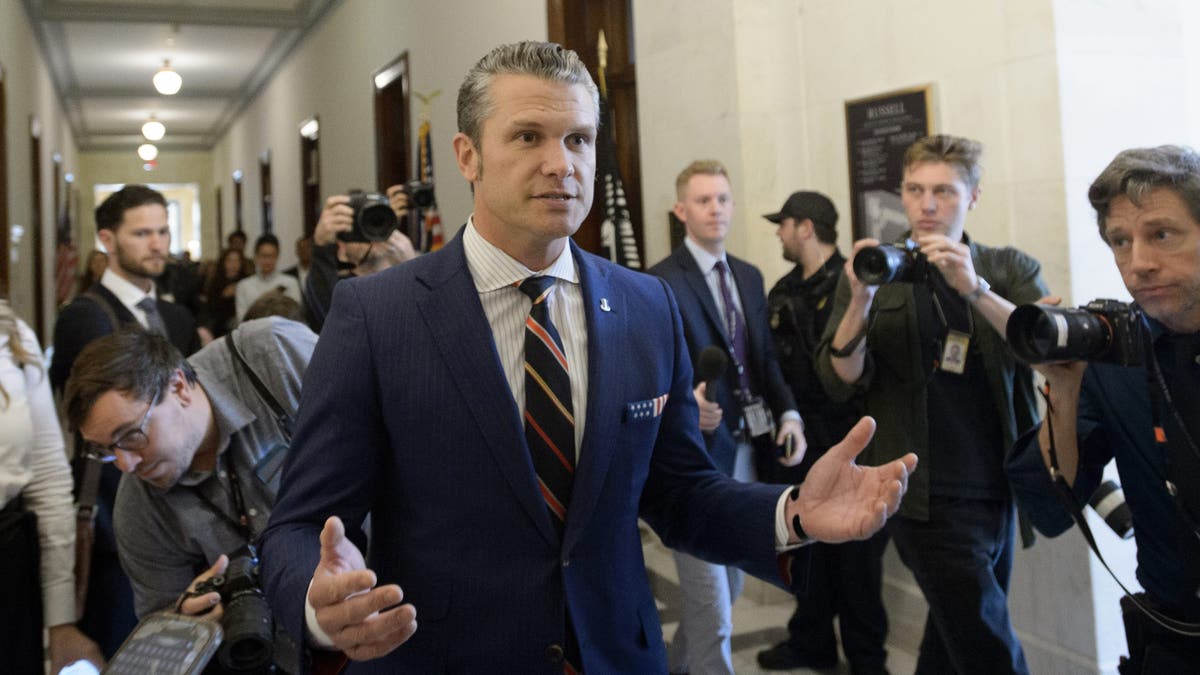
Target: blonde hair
{"x": 21, "y": 356}
{"x": 700, "y": 167}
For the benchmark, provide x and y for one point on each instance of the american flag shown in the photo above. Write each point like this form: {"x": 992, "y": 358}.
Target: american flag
{"x": 431, "y": 222}
{"x": 617, "y": 240}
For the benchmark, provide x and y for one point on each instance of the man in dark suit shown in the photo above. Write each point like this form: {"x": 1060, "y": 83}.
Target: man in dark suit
{"x": 723, "y": 304}
{"x": 505, "y": 449}
{"x": 132, "y": 226}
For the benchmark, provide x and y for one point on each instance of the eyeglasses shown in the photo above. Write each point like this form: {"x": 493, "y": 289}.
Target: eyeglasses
{"x": 134, "y": 440}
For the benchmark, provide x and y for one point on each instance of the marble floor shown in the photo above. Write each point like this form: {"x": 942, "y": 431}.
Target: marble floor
{"x": 759, "y": 616}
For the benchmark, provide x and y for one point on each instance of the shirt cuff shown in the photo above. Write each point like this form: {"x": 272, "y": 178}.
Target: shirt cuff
{"x": 316, "y": 637}
{"x": 782, "y": 530}
{"x": 791, "y": 415}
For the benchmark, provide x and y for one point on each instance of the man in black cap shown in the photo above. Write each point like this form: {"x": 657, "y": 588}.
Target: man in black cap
{"x": 830, "y": 580}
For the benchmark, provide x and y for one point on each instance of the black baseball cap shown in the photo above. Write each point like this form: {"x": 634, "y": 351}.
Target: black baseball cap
{"x": 801, "y": 205}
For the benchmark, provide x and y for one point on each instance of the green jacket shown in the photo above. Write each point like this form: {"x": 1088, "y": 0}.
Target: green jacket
{"x": 894, "y": 377}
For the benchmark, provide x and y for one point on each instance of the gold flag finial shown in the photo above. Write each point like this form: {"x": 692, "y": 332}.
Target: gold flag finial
{"x": 426, "y": 102}
{"x": 602, "y": 53}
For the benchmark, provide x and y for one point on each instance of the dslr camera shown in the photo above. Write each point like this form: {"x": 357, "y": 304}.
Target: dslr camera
{"x": 374, "y": 219}
{"x": 887, "y": 263}
{"x": 1104, "y": 331}
{"x": 249, "y": 643}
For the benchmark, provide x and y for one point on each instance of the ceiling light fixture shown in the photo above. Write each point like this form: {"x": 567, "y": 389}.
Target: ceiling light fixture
{"x": 147, "y": 151}
{"x": 153, "y": 130}
{"x": 166, "y": 80}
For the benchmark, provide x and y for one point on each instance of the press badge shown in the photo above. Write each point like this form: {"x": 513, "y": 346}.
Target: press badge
{"x": 758, "y": 418}
{"x": 954, "y": 352}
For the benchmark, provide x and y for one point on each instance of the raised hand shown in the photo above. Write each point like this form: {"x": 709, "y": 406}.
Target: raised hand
{"x": 840, "y": 500}
{"x": 349, "y": 608}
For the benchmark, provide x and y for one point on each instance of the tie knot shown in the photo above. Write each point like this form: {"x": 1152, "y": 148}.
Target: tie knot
{"x": 147, "y": 305}
{"x": 537, "y": 288}
{"x": 720, "y": 267}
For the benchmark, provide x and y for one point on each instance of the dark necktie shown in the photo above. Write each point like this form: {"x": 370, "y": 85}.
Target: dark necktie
{"x": 153, "y": 319}
{"x": 549, "y": 416}
{"x": 550, "y": 426}
{"x": 735, "y": 327}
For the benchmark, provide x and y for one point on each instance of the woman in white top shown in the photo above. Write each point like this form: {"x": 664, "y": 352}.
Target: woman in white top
{"x": 34, "y": 469}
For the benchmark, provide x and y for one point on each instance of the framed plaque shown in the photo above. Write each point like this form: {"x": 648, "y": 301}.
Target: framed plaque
{"x": 878, "y": 131}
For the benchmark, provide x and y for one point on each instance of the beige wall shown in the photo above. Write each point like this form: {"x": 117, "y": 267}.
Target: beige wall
{"x": 330, "y": 76}
{"x": 30, "y": 94}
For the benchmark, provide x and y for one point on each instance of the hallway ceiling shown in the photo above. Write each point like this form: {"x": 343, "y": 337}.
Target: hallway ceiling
{"x": 103, "y": 53}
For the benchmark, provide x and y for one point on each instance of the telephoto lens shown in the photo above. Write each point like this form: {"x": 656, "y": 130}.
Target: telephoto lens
{"x": 1109, "y": 502}
{"x": 886, "y": 263}
{"x": 1105, "y": 331}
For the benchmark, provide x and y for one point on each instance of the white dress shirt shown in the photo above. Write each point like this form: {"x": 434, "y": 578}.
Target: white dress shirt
{"x": 129, "y": 294}
{"x": 497, "y": 277}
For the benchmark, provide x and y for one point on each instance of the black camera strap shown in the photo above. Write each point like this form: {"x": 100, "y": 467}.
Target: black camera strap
{"x": 1067, "y": 496}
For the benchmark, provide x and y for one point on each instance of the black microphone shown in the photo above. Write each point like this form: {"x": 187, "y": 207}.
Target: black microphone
{"x": 711, "y": 367}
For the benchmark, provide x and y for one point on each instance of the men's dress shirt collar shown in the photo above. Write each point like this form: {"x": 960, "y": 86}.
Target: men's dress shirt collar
{"x": 230, "y": 415}
{"x": 704, "y": 259}
{"x": 493, "y": 269}
{"x": 129, "y": 294}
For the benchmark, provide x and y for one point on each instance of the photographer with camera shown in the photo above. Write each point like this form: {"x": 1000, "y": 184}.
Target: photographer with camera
{"x": 918, "y": 330}
{"x": 1135, "y": 397}
{"x": 202, "y": 442}
{"x": 356, "y": 236}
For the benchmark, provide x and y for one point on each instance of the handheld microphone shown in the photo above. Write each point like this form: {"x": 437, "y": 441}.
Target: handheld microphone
{"x": 711, "y": 367}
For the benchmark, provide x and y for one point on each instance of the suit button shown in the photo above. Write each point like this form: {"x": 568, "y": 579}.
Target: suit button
{"x": 566, "y": 562}
{"x": 554, "y": 654}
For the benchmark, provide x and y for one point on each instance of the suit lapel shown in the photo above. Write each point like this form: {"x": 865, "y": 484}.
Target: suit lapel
{"x": 695, "y": 281}
{"x": 606, "y": 332}
{"x": 451, "y": 309}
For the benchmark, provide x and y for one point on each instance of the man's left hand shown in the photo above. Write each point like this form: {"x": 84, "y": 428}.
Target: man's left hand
{"x": 840, "y": 500}
{"x": 68, "y": 644}
{"x": 791, "y": 429}
{"x": 952, "y": 259}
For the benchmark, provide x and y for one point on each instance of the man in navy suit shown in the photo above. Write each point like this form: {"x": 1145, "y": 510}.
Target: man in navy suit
{"x": 132, "y": 225}
{"x": 418, "y": 408}
{"x": 722, "y": 303}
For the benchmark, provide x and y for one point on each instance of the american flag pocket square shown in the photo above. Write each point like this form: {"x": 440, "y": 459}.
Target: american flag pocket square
{"x": 644, "y": 410}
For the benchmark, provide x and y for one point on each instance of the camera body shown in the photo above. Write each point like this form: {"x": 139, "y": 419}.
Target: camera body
{"x": 420, "y": 193}
{"x": 374, "y": 219}
{"x": 1103, "y": 331}
{"x": 249, "y": 644}
{"x": 889, "y": 263}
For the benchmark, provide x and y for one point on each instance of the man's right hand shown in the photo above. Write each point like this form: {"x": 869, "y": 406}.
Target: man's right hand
{"x": 337, "y": 216}
{"x": 348, "y": 606}
{"x": 710, "y": 412}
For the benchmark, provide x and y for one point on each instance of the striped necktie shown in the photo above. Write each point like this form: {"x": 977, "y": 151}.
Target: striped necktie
{"x": 549, "y": 416}
{"x": 550, "y": 429}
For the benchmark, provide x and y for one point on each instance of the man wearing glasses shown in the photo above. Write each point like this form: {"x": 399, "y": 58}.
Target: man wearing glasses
{"x": 200, "y": 444}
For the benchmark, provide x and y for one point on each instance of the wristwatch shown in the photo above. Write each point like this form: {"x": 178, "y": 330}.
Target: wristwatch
{"x": 982, "y": 287}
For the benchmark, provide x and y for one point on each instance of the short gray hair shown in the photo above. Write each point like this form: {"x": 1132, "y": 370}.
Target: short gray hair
{"x": 545, "y": 60}
{"x": 1134, "y": 173}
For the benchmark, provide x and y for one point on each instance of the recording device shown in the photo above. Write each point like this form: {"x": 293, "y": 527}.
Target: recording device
{"x": 711, "y": 367}
{"x": 168, "y": 643}
{"x": 1109, "y": 502}
{"x": 420, "y": 193}
{"x": 788, "y": 448}
{"x": 373, "y": 220}
{"x": 887, "y": 263}
{"x": 249, "y": 643}
{"x": 1104, "y": 331}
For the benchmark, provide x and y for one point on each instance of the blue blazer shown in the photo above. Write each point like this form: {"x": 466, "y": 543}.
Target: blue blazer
{"x": 703, "y": 326}
{"x": 406, "y": 415}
